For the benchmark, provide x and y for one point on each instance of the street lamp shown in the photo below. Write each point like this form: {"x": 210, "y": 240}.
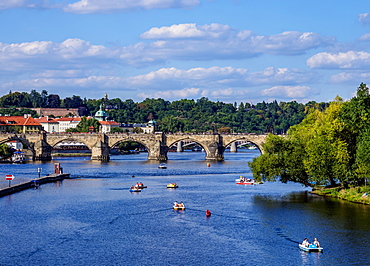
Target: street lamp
{"x": 39, "y": 171}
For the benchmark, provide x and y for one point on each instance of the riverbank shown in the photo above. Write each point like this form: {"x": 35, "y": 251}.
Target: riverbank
{"x": 352, "y": 194}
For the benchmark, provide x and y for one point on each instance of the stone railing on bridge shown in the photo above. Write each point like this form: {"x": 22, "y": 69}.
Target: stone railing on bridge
{"x": 157, "y": 144}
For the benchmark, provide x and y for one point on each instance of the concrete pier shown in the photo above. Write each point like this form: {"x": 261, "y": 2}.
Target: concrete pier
{"x": 32, "y": 183}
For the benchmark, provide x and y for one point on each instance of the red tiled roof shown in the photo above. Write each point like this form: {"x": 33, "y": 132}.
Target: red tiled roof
{"x": 46, "y": 119}
{"x": 19, "y": 120}
{"x": 112, "y": 123}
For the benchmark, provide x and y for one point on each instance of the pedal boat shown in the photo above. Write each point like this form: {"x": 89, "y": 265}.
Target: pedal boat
{"x": 310, "y": 248}
{"x": 172, "y": 185}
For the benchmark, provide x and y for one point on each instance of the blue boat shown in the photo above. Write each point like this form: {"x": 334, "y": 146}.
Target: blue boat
{"x": 311, "y": 248}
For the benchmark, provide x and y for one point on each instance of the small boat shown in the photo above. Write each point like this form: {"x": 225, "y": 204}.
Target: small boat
{"x": 196, "y": 148}
{"x": 140, "y": 185}
{"x": 311, "y": 248}
{"x": 135, "y": 189}
{"x": 172, "y": 185}
{"x": 178, "y": 206}
{"x": 245, "y": 181}
{"x": 18, "y": 157}
{"x": 162, "y": 166}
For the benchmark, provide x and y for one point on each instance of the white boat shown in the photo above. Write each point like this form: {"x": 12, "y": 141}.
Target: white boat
{"x": 18, "y": 157}
{"x": 162, "y": 166}
{"x": 311, "y": 248}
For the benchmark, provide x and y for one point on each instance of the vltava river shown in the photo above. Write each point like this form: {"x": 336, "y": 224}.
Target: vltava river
{"x": 93, "y": 219}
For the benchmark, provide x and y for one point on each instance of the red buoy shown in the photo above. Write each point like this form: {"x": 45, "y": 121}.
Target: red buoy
{"x": 208, "y": 213}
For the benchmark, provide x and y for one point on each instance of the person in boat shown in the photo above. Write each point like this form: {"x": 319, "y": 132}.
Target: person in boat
{"x": 181, "y": 204}
{"x": 316, "y": 242}
{"x": 175, "y": 204}
{"x": 305, "y": 242}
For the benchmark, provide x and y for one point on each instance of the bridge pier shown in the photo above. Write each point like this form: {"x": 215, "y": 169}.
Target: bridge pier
{"x": 158, "y": 152}
{"x": 233, "y": 147}
{"x": 100, "y": 152}
{"x": 215, "y": 152}
{"x": 42, "y": 151}
{"x": 180, "y": 148}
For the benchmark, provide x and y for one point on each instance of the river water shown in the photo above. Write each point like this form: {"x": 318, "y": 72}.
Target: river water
{"x": 92, "y": 219}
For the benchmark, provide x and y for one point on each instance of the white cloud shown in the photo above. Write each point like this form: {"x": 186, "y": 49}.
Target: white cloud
{"x": 174, "y": 94}
{"x": 351, "y": 77}
{"x": 189, "y": 30}
{"x": 365, "y": 37}
{"x": 5, "y": 4}
{"x": 213, "y": 42}
{"x": 350, "y": 59}
{"x": 115, "y": 6}
{"x": 72, "y": 73}
{"x": 281, "y": 76}
{"x": 292, "y": 92}
{"x": 186, "y": 93}
{"x": 218, "y": 77}
{"x": 72, "y": 53}
{"x": 170, "y": 83}
{"x": 91, "y": 82}
{"x": 364, "y": 18}
{"x": 217, "y": 41}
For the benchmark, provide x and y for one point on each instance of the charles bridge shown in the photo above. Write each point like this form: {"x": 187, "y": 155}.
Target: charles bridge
{"x": 157, "y": 144}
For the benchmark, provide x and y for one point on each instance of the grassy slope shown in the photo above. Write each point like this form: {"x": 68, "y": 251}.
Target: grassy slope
{"x": 353, "y": 194}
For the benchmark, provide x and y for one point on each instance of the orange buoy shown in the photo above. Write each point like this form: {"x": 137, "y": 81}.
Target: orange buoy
{"x": 208, "y": 164}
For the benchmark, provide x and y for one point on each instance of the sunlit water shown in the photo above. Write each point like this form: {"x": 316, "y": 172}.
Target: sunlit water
{"x": 93, "y": 219}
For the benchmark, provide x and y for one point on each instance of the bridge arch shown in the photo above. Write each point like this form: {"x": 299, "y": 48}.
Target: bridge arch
{"x": 55, "y": 142}
{"x": 25, "y": 142}
{"x": 126, "y": 140}
{"x": 258, "y": 145}
{"x": 200, "y": 143}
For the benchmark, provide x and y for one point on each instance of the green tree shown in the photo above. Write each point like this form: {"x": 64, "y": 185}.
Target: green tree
{"x": 5, "y": 151}
{"x": 85, "y": 124}
{"x": 137, "y": 130}
{"x": 116, "y": 130}
{"x": 313, "y": 151}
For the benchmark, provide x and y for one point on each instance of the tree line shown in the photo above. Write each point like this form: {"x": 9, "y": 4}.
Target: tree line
{"x": 329, "y": 147}
{"x": 185, "y": 115}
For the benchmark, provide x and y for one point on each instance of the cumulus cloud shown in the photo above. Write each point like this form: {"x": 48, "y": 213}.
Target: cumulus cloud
{"x": 351, "y": 77}
{"x": 292, "y": 92}
{"x": 221, "y": 94}
{"x": 115, "y": 6}
{"x": 189, "y": 30}
{"x": 102, "y": 82}
{"x": 218, "y": 77}
{"x": 350, "y": 59}
{"x": 179, "y": 42}
{"x": 219, "y": 41}
{"x": 281, "y": 76}
{"x": 364, "y": 18}
{"x": 72, "y": 53}
{"x": 174, "y": 94}
{"x": 169, "y": 83}
{"x": 365, "y": 37}
{"x": 5, "y": 4}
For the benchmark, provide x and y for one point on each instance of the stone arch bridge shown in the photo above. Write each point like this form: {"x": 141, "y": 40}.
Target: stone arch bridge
{"x": 157, "y": 144}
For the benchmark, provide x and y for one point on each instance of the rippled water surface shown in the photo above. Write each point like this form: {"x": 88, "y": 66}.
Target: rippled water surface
{"x": 92, "y": 219}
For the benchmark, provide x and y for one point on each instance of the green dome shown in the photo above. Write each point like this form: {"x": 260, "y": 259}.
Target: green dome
{"x": 101, "y": 114}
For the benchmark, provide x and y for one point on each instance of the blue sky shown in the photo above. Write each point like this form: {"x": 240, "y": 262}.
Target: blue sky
{"x": 225, "y": 50}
